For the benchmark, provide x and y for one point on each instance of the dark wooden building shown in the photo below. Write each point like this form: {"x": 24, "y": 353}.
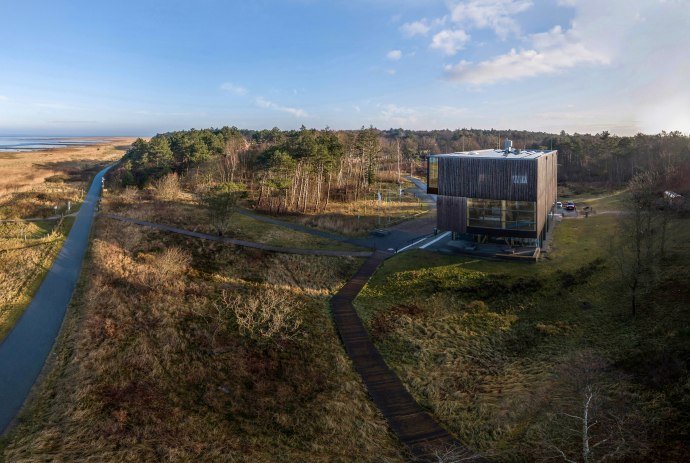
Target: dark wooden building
{"x": 495, "y": 193}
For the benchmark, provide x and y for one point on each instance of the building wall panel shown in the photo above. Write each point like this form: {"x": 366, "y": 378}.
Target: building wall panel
{"x": 451, "y": 213}
{"x": 546, "y": 186}
{"x": 487, "y": 178}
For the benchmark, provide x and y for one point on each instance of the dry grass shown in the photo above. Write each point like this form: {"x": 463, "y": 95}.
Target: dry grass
{"x": 492, "y": 348}
{"x": 189, "y": 214}
{"x": 23, "y": 171}
{"x": 26, "y": 252}
{"x": 31, "y": 185}
{"x": 358, "y": 218}
{"x": 168, "y": 356}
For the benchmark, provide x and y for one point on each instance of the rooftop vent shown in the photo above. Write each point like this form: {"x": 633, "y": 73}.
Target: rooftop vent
{"x": 507, "y": 145}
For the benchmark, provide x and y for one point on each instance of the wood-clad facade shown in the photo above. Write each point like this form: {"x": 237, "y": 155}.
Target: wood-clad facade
{"x": 494, "y": 193}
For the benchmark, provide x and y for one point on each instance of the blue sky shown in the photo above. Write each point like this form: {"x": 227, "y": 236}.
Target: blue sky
{"x": 140, "y": 67}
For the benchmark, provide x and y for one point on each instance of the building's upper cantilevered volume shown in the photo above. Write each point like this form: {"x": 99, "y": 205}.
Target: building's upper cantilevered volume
{"x": 505, "y": 193}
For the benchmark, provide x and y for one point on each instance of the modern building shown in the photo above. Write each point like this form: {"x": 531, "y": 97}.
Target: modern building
{"x": 495, "y": 195}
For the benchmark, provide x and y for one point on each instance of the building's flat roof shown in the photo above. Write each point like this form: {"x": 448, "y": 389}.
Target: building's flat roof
{"x": 497, "y": 154}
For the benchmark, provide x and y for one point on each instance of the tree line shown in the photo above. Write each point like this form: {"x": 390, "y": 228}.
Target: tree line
{"x": 303, "y": 170}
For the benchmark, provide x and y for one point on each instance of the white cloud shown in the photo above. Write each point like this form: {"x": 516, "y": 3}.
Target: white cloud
{"x": 490, "y": 14}
{"x": 3, "y": 98}
{"x": 394, "y": 55}
{"x": 233, "y": 88}
{"x": 420, "y": 27}
{"x": 450, "y": 41}
{"x": 398, "y": 115}
{"x": 427, "y": 117}
{"x": 262, "y": 102}
{"x": 391, "y": 72}
{"x": 551, "y": 52}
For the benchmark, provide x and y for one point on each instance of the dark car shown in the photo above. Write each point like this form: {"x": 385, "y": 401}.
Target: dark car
{"x": 570, "y": 206}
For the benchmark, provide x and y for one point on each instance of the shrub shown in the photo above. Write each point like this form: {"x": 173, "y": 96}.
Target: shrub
{"x": 129, "y": 194}
{"x": 477, "y": 306}
{"x": 221, "y": 201}
{"x": 263, "y": 315}
{"x": 172, "y": 262}
{"x": 167, "y": 188}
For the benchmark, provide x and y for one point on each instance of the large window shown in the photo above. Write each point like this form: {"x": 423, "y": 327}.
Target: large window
{"x": 502, "y": 214}
{"x": 432, "y": 175}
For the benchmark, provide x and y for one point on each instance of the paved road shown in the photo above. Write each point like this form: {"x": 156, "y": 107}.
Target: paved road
{"x": 422, "y": 186}
{"x": 25, "y": 349}
{"x": 248, "y": 244}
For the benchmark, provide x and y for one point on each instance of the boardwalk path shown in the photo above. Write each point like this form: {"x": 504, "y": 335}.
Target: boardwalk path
{"x": 415, "y": 428}
{"x": 248, "y": 244}
{"x": 25, "y": 349}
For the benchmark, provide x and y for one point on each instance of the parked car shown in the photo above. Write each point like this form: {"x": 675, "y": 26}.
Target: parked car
{"x": 570, "y": 206}
{"x": 559, "y": 205}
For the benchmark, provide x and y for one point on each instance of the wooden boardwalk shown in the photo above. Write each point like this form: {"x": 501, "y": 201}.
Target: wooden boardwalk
{"x": 416, "y": 428}
{"x": 248, "y": 244}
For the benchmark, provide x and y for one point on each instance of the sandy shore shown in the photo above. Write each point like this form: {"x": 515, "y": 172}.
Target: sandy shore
{"x": 20, "y": 171}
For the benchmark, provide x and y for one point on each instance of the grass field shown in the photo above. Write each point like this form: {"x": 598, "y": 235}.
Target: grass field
{"x": 502, "y": 353}
{"x": 30, "y": 171}
{"x": 186, "y": 350}
{"x": 32, "y": 185}
{"x": 187, "y": 213}
{"x": 358, "y": 218}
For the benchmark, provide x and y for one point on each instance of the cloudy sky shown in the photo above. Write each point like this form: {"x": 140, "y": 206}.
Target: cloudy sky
{"x": 139, "y": 67}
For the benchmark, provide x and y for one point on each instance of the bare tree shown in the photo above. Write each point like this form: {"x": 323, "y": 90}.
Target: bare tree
{"x": 596, "y": 423}
{"x": 637, "y": 248}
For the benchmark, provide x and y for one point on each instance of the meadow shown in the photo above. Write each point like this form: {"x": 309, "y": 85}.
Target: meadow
{"x": 358, "y": 218}
{"x": 177, "y": 349}
{"x": 188, "y": 212}
{"x": 505, "y": 354}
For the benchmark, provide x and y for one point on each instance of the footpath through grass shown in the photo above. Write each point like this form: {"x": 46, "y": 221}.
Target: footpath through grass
{"x": 186, "y": 213}
{"x": 504, "y": 353}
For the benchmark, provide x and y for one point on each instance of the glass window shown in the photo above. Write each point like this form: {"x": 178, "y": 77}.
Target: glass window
{"x": 501, "y": 214}
{"x": 432, "y": 175}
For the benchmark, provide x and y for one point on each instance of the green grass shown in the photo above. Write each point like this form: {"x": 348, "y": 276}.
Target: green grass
{"x": 599, "y": 200}
{"x": 496, "y": 350}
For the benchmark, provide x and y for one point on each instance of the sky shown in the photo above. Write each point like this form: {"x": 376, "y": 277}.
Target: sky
{"x": 140, "y": 67}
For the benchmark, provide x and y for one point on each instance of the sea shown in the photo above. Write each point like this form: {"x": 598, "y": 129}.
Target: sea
{"x": 24, "y": 144}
